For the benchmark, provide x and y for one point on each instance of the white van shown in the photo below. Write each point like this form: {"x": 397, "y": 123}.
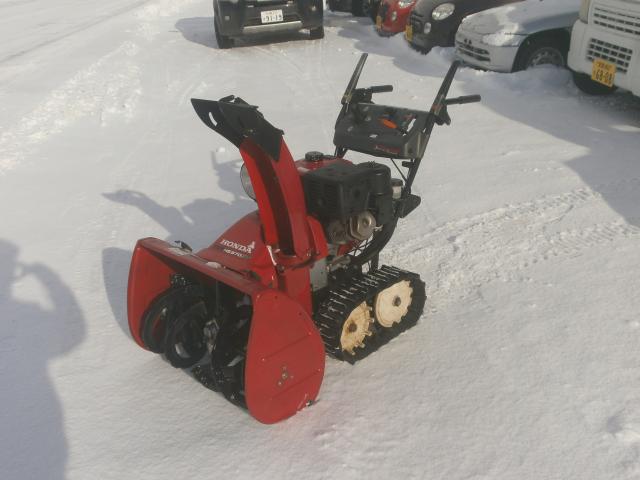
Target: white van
{"x": 605, "y": 46}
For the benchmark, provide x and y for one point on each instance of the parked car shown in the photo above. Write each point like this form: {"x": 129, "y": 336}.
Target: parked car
{"x": 519, "y": 36}
{"x": 234, "y": 19}
{"x": 393, "y": 16}
{"x": 435, "y": 22}
{"x": 605, "y": 46}
{"x": 359, "y": 8}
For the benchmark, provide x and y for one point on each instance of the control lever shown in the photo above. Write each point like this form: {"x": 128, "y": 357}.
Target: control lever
{"x": 364, "y": 95}
{"x": 462, "y": 100}
{"x": 442, "y": 117}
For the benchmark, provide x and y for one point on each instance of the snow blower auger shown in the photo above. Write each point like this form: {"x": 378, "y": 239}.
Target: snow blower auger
{"x": 256, "y": 311}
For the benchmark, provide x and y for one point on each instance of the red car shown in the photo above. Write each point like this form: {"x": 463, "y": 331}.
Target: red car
{"x": 393, "y": 16}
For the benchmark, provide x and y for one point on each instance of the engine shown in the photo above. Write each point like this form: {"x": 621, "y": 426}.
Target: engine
{"x": 351, "y": 201}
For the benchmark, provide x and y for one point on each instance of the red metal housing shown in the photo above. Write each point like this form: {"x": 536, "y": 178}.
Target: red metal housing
{"x": 265, "y": 255}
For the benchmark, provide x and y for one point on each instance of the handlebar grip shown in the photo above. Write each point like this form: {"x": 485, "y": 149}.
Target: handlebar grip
{"x": 381, "y": 88}
{"x": 464, "y": 99}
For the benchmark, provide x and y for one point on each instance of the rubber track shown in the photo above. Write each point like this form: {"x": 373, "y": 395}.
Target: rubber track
{"x": 342, "y": 300}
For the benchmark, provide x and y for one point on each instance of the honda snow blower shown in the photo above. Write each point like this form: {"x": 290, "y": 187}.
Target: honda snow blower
{"x": 255, "y": 312}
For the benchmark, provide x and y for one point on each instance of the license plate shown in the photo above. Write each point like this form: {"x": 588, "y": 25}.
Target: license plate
{"x": 271, "y": 16}
{"x": 378, "y": 21}
{"x": 603, "y": 72}
{"x": 408, "y": 32}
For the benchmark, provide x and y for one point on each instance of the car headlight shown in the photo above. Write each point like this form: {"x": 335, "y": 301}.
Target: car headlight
{"x": 394, "y": 16}
{"x": 405, "y": 3}
{"x": 427, "y": 28}
{"x": 442, "y": 12}
{"x": 584, "y": 10}
{"x": 503, "y": 39}
{"x": 246, "y": 182}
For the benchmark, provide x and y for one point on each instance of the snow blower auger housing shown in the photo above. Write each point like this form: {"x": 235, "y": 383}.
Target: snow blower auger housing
{"x": 255, "y": 312}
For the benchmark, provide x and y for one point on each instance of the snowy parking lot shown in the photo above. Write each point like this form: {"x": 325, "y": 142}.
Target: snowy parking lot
{"x": 525, "y": 364}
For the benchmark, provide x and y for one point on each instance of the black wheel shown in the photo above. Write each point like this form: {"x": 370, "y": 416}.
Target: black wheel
{"x": 549, "y": 49}
{"x": 358, "y": 8}
{"x": 373, "y": 6}
{"x": 153, "y": 327}
{"x": 185, "y": 343}
{"x": 223, "y": 41}
{"x": 333, "y": 5}
{"x": 591, "y": 87}
{"x": 420, "y": 48}
{"x": 316, "y": 33}
{"x": 367, "y": 8}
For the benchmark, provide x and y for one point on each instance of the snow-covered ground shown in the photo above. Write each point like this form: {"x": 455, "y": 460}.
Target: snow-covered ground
{"x": 525, "y": 364}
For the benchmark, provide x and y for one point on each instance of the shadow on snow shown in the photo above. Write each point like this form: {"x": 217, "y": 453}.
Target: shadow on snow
{"x": 33, "y": 443}
{"x": 198, "y": 224}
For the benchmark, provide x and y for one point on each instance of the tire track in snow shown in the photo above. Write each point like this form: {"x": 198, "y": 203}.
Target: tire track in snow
{"x": 16, "y": 3}
{"x": 108, "y": 88}
{"x": 624, "y": 429}
{"x": 149, "y": 27}
{"x": 78, "y": 29}
{"x": 304, "y": 77}
{"x": 500, "y": 245}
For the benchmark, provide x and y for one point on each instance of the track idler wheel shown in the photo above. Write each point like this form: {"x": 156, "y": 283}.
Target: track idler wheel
{"x": 392, "y": 304}
{"x": 356, "y": 328}
{"x": 367, "y": 311}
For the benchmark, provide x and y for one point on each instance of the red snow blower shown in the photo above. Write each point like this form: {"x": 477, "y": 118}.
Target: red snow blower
{"x": 255, "y": 312}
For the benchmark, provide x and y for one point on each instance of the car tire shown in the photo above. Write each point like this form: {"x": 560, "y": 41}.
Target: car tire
{"x": 369, "y": 9}
{"x": 333, "y": 5}
{"x": 357, "y": 8}
{"x": 316, "y": 33}
{"x": 550, "y": 49}
{"x": 591, "y": 87}
{"x": 418, "y": 48}
{"x": 374, "y": 6}
{"x": 223, "y": 41}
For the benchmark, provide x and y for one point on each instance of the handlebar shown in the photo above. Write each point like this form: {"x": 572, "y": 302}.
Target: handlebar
{"x": 414, "y": 126}
{"x": 462, "y": 100}
{"x": 353, "y": 83}
{"x": 381, "y": 88}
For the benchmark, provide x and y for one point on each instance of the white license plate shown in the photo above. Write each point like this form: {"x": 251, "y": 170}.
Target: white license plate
{"x": 271, "y": 16}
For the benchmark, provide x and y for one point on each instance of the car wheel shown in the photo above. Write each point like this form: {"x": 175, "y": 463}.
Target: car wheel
{"x": 333, "y": 5}
{"x": 316, "y": 33}
{"x": 544, "y": 50}
{"x": 357, "y": 8}
{"x": 367, "y": 8}
{"x": 223, "y": 41}
{"x": 374, "y": 5}
{"x": 424, "y": 50}
{"x": 591, "y": 87}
